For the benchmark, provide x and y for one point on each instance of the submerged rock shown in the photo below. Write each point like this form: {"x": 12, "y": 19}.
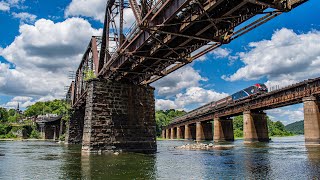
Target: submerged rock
{"x": 202, "y": 146}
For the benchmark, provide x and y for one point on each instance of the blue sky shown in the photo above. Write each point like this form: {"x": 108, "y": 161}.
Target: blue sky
{"x": 41, "y": 41}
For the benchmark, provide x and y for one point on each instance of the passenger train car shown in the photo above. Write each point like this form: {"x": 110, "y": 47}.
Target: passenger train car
{"x": 238, "y": 96}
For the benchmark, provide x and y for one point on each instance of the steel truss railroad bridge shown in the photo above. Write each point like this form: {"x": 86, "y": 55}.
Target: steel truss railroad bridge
{"x": 198, "y": 125}
{"x": 167, "y": 35}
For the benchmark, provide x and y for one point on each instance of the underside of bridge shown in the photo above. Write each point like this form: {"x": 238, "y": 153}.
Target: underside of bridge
{"x": 113, "y": 103}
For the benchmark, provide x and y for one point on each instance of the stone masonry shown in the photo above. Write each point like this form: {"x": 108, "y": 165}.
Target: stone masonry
{"x": 119, "y": 117}
{"x": 74, "y": 130}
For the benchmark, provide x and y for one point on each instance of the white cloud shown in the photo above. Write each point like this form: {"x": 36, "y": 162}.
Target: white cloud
{"x": 4, "y": 6}
{"x": 8, "y": 4}
{"x": 221, "y": 52}
{"x": 177, "y": 81}
{"x": 43, "y": 55}
{"x": 287, "y": 58}
{"x": 25, "y": 101}
{"x": 96, "y": 10}
{"x": 164, "y": 104}
{"x": 286, "y": 115}
{"x": 194, "y": 96}
{"x": 215, "y": 54}
{"x": 25, "y": 17}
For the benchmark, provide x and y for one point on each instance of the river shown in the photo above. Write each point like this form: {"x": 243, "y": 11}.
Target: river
{"x": 283, "y": 158}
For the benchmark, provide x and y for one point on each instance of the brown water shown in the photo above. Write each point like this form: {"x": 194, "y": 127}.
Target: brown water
{"x": 283, "y": 158}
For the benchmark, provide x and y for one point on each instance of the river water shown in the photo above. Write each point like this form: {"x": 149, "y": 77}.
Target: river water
{"x": 283, "y": 158}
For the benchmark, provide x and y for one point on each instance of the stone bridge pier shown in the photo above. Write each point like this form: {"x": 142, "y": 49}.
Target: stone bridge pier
{"x": 311, "y": 120}
{"x": 255, "y": 128}
{"x": 204, "y": 131}
{"x": 223, "y": 130}
{"x": 117, "y": 117}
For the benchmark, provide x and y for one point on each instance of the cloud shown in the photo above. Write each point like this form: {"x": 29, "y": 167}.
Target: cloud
{"x": 43, "y": 54}
{"x": 25, "y": 17}
{"x": 194, "y": 96}
{"x": 96, "y": 10}
{"x": 164, "y": 104}
{"x": 215, "y": 54}
{"x": 8, "y": 4}
{"x": 177, "y": 81}
{"x": 286, "y": 115}
{"x": 25, "y": 101}
{"x": 4, "y": 6}
{"x": 221, "y": 52}
{"x": 286, "y": 58}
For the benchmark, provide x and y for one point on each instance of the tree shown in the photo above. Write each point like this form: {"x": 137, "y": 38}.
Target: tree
{"x": 3, "y": 115}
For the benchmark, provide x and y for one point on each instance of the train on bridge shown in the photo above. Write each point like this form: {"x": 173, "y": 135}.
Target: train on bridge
{"x": 248, "y": 92}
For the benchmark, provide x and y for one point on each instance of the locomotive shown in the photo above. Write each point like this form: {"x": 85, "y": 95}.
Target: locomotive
{"x": 254, "y": 90}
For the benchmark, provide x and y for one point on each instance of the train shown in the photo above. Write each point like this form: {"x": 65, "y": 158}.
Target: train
{"x": 248, "y": 92}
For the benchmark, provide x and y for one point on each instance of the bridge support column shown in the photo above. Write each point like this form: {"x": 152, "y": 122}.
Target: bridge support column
{"x": 311, "y": 120}
{"x": 74, "y": 132}
{"x": 223, "y": 130}
{"x": 167, "y": 134}
{"x": 119, "y": 117}
{"x": 179, "y": 133}
{"x": 255, "y": 127}
{"x": 187, "y": 132}
{"x": 199, "y": 132}
{"x": 173, "y": 134}
{"x": 163, "y": 134}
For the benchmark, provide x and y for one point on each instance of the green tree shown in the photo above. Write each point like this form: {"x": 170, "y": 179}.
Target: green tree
{"x": 3, "y": 115}
{"x": 163, "y": 118}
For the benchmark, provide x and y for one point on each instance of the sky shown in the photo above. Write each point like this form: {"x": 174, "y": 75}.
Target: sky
{"x": 42, "y": 41}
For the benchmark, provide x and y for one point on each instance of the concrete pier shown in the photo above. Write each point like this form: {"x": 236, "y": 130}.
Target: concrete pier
{"x": 199, "y": 132}
{"x": 167, "y": 134}
{"x": 311, "y": 120}
{"x": 179, "y": 133}
{"x": 163, "y": 134}
{"x": 187, "y": 132}
{"x": 173, "y": 134}
{"x": 223, "y": 130}
{"x": 255, "y": 127}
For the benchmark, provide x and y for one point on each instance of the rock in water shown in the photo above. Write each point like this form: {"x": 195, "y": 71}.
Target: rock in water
{"x": 202, "y": 146}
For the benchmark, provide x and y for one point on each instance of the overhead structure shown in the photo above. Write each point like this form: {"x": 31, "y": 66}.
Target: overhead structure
{"x": 169, "y": 34}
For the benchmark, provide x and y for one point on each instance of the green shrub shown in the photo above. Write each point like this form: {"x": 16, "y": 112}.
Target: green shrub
{"x": 35, "y": 134}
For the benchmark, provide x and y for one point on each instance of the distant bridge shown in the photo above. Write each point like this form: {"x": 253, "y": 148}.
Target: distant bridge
{"x": 252, "y": 107}
{"x": 167, "y": 35}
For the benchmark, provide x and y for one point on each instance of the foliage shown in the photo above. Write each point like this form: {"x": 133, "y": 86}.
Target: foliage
{"x": 5, "y": 129}
{"x": 62, "y": 137}
{"x": 89, "y": 74}
{"x": 35, "y": 134}
{"x": 296, "y": 127}
{"x": 163, "y": 118}
{"x": 59, "y": 107}
{"x": 3, "y": 115}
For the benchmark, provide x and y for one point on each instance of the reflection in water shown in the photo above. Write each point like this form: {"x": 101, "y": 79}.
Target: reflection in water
{"x": 256, "y": 159}
{"x": 314, "y": 161}
{"x": 284, "y": 158}
{"x": 122, "y": 166}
